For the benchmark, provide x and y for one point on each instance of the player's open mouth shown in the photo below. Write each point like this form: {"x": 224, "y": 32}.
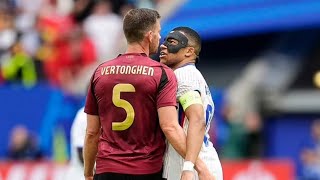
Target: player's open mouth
{"x": 162, "y": 54}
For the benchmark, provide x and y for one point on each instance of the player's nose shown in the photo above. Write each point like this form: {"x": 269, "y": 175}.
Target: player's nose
{"x": 162, "y": 46}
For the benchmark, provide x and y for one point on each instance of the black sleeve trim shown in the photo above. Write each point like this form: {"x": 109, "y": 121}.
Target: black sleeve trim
{"x": 163, "y": 81}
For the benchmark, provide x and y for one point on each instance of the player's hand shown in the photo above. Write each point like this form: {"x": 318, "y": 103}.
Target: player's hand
{"x": 187, "y": 175}
{"x": 89, "y": 178}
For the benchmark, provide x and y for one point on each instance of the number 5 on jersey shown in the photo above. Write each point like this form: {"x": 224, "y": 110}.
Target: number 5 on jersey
{"x": 117, "y": 101}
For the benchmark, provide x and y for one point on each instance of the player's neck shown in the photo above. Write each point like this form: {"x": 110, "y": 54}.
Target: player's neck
{"x": 137, "y": 48}
{"x": 183, "y": 63}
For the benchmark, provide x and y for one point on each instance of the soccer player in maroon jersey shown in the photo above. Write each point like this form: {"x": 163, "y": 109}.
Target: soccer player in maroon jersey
{"x": 130, "y": 99}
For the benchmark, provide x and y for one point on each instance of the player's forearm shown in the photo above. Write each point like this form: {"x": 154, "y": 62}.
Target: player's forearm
{"x": 177, "y": 138}
{"x": 196, "y": 130}
{"x": 89, "y": 153}
{"x": 195, "y": 137}
{"x": 168, "y": 119}
{"x": 173, "y": 131}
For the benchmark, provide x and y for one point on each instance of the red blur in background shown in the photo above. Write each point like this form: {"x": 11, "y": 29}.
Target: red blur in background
{"x": 232, "y": 170}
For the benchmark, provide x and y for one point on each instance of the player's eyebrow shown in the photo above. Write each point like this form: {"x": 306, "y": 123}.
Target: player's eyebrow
{"x": 170, "y": 38}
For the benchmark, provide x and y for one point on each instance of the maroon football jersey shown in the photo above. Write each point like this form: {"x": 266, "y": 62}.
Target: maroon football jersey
{"x": 125, "y": 93}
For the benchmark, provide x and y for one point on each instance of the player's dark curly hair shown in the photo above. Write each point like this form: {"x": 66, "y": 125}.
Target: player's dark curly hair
{"x": 139, "y": 21}
{"x": 193, "y": 37}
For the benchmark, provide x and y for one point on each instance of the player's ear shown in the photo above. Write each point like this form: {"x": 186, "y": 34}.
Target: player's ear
{"x": 189, "y": 51}
{"x": 149, "y": 36}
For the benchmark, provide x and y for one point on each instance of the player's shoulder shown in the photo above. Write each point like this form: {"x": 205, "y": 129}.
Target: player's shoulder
{"x": 187, "y": 71}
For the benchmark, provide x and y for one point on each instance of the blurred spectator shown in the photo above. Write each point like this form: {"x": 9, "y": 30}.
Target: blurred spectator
{"x": 17, "y": 47}
{"x": 25, "y": 22}
{"x": 19, "y": 67}
{"x": 244, "y": 138}
{"x": 7, "y": 36}
{"x": 81, "y": 10}
{"x": 77, "y": 54}
{"x": 118, "y": 4}
{"x": 125, "y": 8}
{"x": 23, "y": 146}
{"x": 66, "y": 50}
{"x": 27, "y": 7}
{"x": 310, "y": 154}
{"x": 65, "y": 7}
{"x": 7, "y": 31}
{"x": 242, "y": 112}
{"x": 105, "y": 29}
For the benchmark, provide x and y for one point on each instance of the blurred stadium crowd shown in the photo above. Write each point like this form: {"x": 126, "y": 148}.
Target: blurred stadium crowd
{"x": 265, "y": 88}
{"x": 60, "y": 41}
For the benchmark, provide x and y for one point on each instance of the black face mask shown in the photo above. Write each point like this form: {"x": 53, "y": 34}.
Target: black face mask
{"x": 182, "y": 41}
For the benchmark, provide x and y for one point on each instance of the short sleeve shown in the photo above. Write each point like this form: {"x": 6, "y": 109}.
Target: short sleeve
{"x": 91, "y": 106}
{"x": 186, "y": 83}
{"x": 167, "y": 89}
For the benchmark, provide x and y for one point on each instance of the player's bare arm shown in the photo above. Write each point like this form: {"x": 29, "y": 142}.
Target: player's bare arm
{"x": 91, "y": 145}
{"x": 193, "y": 108}
{"x": 195, "y": 134}
{"x": 176, "y": 136}
{"x": 192, "y": 105}
{"x": 171, "y": 128}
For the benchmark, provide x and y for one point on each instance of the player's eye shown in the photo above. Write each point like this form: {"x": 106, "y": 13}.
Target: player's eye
{"x": 174, "y": 42}
{"x": 171, "y": 41}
